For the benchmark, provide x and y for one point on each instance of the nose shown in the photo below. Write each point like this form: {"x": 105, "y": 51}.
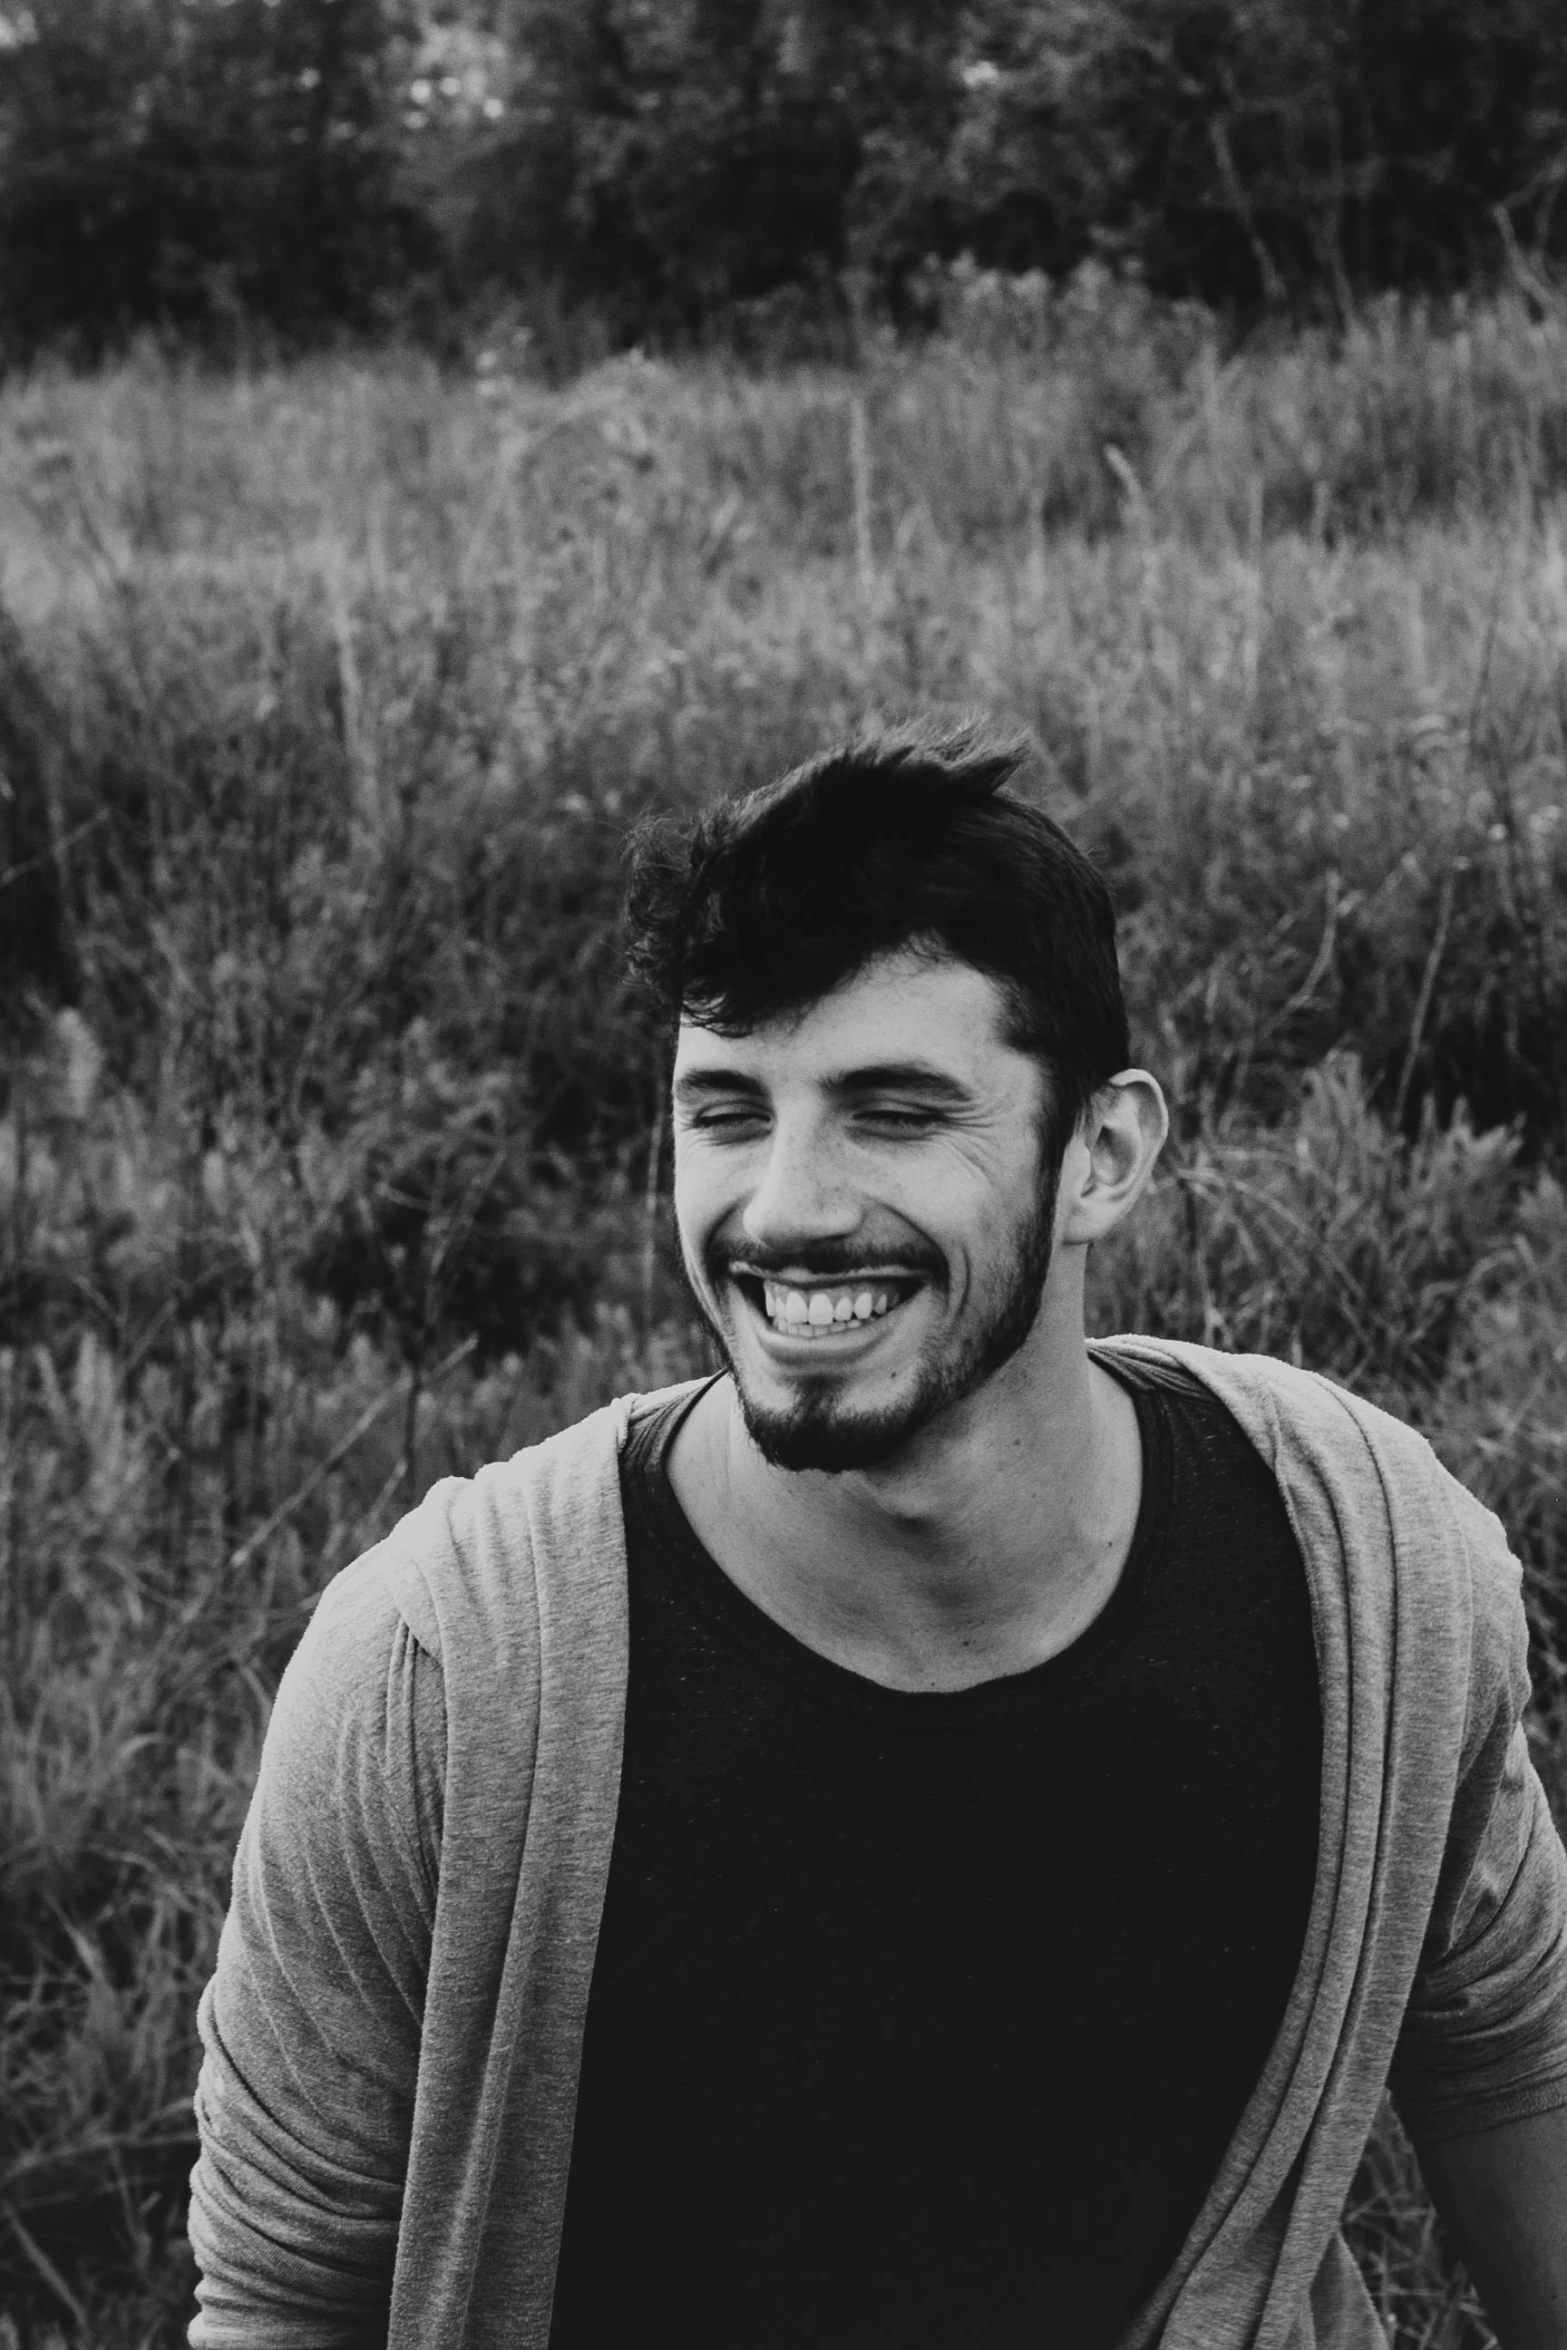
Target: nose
{"x": 801, "y": 1193}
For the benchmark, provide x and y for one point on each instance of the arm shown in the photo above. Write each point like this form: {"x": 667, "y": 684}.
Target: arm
{"x": 1503, "y": 2195}
{"x": 312, "y": 2022}
{"x": 1480, "y": 2075}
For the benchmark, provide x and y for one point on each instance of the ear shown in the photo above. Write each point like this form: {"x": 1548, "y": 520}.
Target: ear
{"x": 1111, "y": 1156}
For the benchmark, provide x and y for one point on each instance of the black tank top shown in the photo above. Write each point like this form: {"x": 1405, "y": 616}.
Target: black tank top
{"x": 922, "y": 2022}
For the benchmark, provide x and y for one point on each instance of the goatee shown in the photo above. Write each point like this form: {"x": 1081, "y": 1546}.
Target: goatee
{"x": 815, "y": 1431}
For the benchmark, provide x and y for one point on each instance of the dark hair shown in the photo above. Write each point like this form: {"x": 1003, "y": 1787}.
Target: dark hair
{"x": 903, "y": 838}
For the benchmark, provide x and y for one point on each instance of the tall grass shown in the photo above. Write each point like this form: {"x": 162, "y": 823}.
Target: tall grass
{"x": 332, "y": 1159}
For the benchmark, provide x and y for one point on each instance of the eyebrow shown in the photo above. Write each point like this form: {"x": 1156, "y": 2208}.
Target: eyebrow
{"x": 901, "y": 1077}
{"x": 876, "y": 1077}
{"x": 701, "y": 1084}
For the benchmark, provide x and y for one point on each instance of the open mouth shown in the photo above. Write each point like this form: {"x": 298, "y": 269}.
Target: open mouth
{"x": 825, "y": 1309}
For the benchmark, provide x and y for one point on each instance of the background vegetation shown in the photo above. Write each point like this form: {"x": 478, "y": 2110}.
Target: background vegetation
{"x": 269, "y": 172}
{"x": 332, "y": 1156}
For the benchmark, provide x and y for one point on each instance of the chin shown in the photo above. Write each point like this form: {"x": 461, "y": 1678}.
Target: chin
{"x": 815, "y": 1432}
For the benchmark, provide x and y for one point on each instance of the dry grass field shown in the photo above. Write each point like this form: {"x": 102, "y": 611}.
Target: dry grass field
{"x": 332, "y": 1158}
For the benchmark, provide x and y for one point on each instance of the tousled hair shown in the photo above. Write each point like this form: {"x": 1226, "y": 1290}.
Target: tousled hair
{"x": 905, "y": 838}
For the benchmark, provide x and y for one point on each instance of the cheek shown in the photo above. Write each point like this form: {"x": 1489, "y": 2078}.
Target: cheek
{"x": 969, "y": 1195}
{"x": 974, "y": 1211}
{"x": 702, "y": 1203}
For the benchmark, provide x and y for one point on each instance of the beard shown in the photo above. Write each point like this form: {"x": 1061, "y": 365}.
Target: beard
{"x": 815, "y": 1430}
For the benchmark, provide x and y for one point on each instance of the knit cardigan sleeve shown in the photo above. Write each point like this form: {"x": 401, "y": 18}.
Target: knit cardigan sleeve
{"x": 394, "y": 2028}
{"x": 1484, "y": 2037}
{"x": 311, "y": 2025}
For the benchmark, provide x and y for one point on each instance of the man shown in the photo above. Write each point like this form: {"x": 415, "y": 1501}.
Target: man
{"x": 936, "y": 1838}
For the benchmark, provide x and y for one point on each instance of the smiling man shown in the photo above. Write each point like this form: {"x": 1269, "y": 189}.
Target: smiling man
{"x": 904, "y": 1071}
{"x": 937, "y": 1837}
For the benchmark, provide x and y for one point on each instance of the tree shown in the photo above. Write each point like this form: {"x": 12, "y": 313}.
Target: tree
{"x": 677, "y": 156}
{"x": 182, "y": 163}
{"x": 1259, "y": 150}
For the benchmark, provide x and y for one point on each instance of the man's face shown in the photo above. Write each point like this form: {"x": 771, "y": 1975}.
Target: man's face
{"x": 864, "y": 1219}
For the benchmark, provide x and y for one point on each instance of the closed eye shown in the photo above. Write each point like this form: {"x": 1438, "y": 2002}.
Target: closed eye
{"x": 899, "y": 1118}
{"x": 742, "y": 1115}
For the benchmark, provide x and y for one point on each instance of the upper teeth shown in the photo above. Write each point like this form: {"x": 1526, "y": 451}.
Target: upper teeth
{"x": 804, "y": 1310}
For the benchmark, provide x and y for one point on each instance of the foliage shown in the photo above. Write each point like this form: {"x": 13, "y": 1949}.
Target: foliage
{"x": 682, "y": 159}
{"x": 197, "y": 168}
{"x": 771, "y": 171}
{"x": 331, "y": 1160}
{"x": 1257, "y": 149}
{"x": 680, "y": 163}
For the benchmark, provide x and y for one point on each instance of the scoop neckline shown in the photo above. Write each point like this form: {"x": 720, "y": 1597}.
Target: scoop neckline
{"x": 647, "y": 1485}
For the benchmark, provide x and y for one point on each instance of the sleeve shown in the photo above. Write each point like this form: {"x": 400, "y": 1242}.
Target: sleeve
{"x": 1484, "y": 2038}
{"x": 311, "y": 2024}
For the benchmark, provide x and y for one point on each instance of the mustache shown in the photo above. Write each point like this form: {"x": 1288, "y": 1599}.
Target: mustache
{"x": 823, "y": 1261}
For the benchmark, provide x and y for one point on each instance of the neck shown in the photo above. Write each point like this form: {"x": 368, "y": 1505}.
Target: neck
{"x": 988, "y": 1543}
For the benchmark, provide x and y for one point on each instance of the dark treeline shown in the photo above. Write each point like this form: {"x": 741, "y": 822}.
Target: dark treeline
{"x": 301, "y": 168}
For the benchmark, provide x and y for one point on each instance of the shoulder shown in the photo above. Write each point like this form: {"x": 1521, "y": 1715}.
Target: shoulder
{"x": 1284, "y": 1409}
{"x": 1308, "y": 1425}
{"x": 477, "y": 1545}
{"x": 479, "y": 1573}
{"x": 1400, "y": 1536}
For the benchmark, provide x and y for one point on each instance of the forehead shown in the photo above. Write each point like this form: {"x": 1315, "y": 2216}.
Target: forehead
{"x": 900, "y": 1010}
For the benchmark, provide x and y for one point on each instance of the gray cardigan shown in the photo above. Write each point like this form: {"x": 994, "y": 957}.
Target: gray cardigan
{"x": 393, "y": 2032}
